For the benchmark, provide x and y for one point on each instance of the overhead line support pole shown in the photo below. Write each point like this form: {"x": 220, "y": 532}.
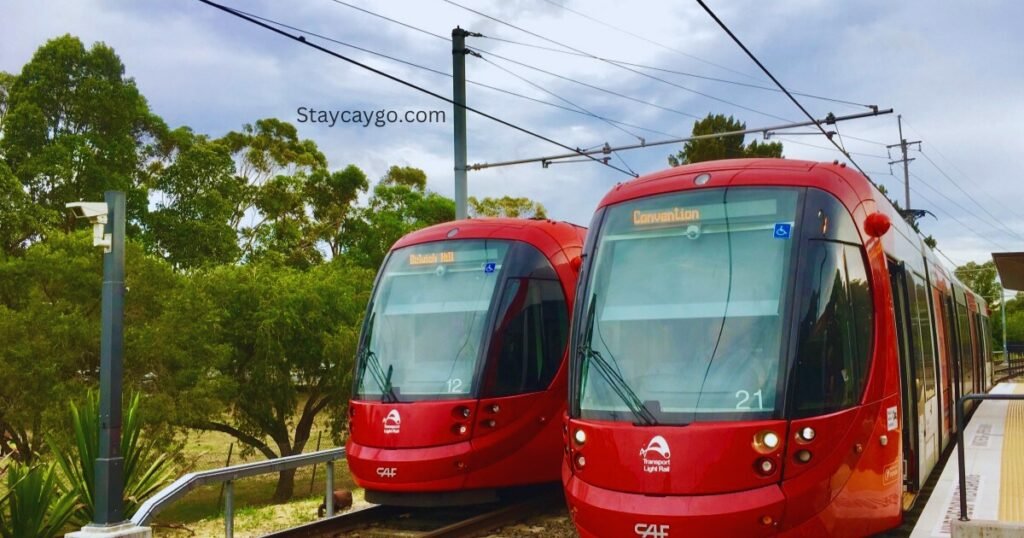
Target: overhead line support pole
{"x": 459, "y": 52}
{"x": 906, "y": 162}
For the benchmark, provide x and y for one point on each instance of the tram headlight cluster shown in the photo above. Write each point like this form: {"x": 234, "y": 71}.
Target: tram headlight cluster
{"x": 766, "y": 442}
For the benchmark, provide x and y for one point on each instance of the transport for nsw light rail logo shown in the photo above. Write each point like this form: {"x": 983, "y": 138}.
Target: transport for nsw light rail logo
{"x": 656, "y": 455}
{"x": 392, "y": 422}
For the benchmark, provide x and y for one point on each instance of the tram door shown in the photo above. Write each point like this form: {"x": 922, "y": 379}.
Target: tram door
{"x": 924, "y": 352}
{"x": 908, "y": 383}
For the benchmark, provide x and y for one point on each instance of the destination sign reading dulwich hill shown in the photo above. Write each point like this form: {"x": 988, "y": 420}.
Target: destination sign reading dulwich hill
{"x": 674, "y": 215}
{"x": 432, "y": 258}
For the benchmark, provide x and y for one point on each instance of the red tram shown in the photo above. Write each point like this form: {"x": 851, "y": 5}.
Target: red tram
{"x": 461, "y": 372}
{"x": 761, "y": 347}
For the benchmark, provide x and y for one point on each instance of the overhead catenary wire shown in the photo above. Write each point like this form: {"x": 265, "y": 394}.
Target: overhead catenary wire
{"x": 627, "y": 68}
{"x": 421, "y": 89}
{"x": 958, "y": 221}
{"x": 939, "y": 208}
{"x": 650, "y": 41}
{"x": 676, "y": 72}
{"x": 954, "y": 166}
{"x": 438, "y": 36}
{"x": 777, "y": 83}
{"x": 607, "y": 150}
{"x": 559, "y": 97}
{"x": 969, "y": 197}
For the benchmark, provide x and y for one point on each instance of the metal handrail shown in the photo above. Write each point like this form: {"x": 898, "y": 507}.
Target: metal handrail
{"x": 960, "y": 441}
{"x": 228, "y": 475}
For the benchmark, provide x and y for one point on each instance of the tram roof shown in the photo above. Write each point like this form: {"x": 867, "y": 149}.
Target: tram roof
{"x": 1011, "y": 269}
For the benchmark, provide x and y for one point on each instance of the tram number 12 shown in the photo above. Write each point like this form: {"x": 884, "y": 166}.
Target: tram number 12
{"x": 454, "y": 385}
{"x": 745, "y": 400}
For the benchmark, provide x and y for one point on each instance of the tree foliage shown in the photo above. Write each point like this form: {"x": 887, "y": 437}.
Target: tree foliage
{"x": 76, "y": 126}
{"x": 277, "y": 347}
{"x": 506, "y": 206}
{"x": 249, "y": 262}
{"x": 723, "y": 147}
{"x": 400, "y": 204}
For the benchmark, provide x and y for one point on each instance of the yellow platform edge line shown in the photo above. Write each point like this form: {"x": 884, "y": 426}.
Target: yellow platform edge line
{"x": 1011, "y": 487}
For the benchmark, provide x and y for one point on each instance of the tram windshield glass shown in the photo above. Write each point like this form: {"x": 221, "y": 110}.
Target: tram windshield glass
{"x": 427, "y": 320}
{"x": 685, "y": 304}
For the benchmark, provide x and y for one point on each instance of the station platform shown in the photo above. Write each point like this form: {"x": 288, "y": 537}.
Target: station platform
{"x": 994, "y": 468}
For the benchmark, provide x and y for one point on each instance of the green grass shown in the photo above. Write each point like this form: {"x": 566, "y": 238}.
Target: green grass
{"x": 201, "y": 510}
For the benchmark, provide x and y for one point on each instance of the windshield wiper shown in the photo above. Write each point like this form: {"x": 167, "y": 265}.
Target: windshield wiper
{"x": 611, "y": 375}
{"x": 368, "y": 360}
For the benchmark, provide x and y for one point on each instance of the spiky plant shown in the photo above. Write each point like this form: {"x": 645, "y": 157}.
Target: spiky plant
{"x": 36, "y": 504}
{"x": 146, "y": 468}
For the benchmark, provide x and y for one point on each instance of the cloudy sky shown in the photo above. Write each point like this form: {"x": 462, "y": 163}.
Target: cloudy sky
{"x": 952, "y": 69}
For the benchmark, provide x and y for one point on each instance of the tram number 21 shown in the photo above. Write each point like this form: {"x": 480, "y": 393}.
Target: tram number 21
{"x": 746, "y": 400}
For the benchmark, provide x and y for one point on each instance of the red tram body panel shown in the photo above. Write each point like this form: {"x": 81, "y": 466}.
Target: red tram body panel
{"x": 461, "y": 378}
{"x": 749, "y": 359}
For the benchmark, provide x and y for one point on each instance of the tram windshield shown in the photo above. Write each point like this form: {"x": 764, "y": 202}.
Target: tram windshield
{"x": 685, "y": 304}
{"x": 427, "y": 320}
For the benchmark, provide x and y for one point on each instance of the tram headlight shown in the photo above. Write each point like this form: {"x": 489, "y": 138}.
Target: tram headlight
{"x": 580, "y": 461}
{"x": 766, "y": 441}
{"x": 803, "y": 456}
{"x": 806, "y": 434}
{"x": 580, "y": 437}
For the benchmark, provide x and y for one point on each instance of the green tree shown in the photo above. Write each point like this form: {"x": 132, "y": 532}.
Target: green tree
{"x": 49, "y": 323}
{"x": 21, "y": 220}
{"x": 413, "y": 178}
{"x": 277, "y": 346}
{"x": 76, "y": 126}
{"x": 197, "y": 197}
{"x": 982, "y": 279}
{"x": 6, "y": 81}
{"x": 394, "y": 209}
{"x": 506, "y": 206}
{"x": 723, "y": 147}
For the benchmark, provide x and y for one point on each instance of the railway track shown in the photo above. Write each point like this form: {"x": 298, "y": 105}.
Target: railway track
{"x": 434, "y": 522}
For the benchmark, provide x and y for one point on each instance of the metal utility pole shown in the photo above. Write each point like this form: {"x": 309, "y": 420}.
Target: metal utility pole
{"x": 1002, "y": 309}
{"x": 459, "y": 52}
{"x": 906, "y": 162}
{"x": 109, "y": 467}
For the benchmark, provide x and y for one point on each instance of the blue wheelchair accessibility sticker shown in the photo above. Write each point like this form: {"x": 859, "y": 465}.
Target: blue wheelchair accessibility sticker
{"x": 783, "y": 230}
{"x": 489, "y": 267}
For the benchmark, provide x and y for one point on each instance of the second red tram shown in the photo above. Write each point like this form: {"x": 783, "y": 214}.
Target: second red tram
{"x": 461, "y": 373}
{"x": 761, "y": 347}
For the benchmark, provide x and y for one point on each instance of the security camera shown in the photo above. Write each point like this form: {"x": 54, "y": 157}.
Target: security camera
{"x": 96, "y": 213}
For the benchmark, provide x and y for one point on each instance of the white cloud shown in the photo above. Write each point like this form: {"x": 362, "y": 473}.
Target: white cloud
{"x": 953, "y": 71}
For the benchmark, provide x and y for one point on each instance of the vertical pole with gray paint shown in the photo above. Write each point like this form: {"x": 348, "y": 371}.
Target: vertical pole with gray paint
{"x": 1002, "y": 309}
{"x": 459, "y": 96}
{"x": 109, "y": 466}
{"x": 903, "y": 145}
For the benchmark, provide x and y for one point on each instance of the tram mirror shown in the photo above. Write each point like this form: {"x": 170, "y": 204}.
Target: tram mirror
{"x": 877, "y": 224}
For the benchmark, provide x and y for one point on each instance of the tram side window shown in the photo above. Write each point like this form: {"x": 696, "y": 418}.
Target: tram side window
{"x": 530, "y": 337}
{"x": 835, "y": 330}
{"x": 921, "y": 327}
{"x": 966, "y": 353}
